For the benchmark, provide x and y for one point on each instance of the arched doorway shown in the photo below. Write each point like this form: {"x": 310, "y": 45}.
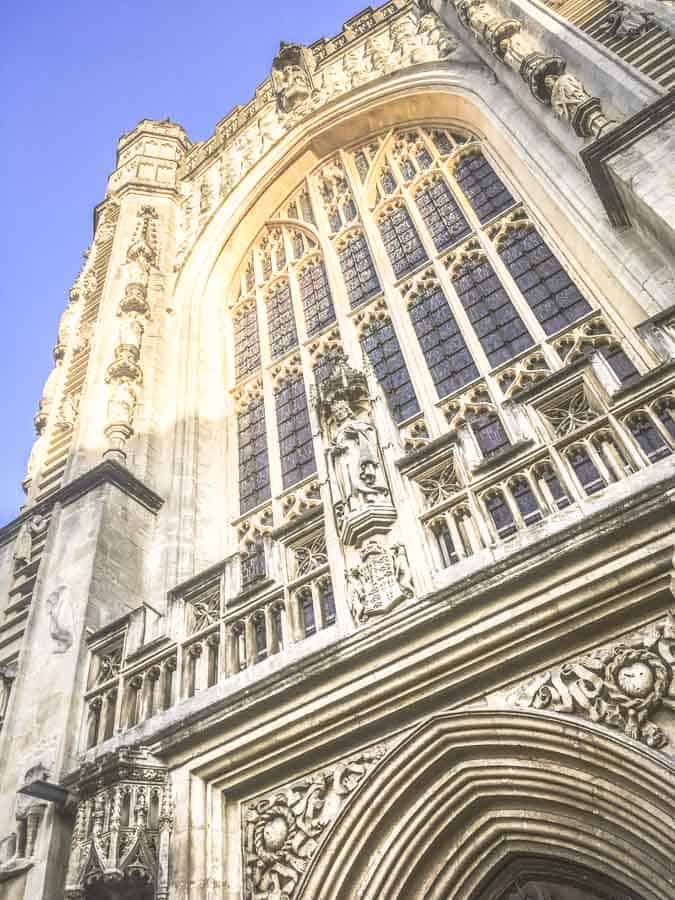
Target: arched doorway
{"x": 502, "y": 805}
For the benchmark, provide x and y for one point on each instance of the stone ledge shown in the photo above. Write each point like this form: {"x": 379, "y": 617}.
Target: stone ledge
{"x": 106, "y": 472}
{"x": 278, "y": 679}
{"x": 597, "y": 155}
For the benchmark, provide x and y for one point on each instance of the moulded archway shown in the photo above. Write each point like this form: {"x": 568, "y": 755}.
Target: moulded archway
{"x": 465, "y": 804}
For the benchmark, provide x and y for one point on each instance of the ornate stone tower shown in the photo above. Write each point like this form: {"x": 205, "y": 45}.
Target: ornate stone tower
{"x": 346, "y": 564}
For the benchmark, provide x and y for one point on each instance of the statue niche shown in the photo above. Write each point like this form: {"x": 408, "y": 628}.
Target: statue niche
{"x": 361, "y": 498}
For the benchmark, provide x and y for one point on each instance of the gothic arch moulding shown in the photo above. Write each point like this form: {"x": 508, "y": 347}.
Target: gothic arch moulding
{"x": 475, "y": 802}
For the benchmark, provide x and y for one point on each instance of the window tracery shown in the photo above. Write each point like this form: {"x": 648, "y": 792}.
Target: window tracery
{"x": 412, "y": 247}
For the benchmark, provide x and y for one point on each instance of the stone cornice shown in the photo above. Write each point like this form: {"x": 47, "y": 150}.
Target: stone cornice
{"x": 106, "y": 472}
{"x": 597, "y": 155}
{"x": 533, "y": 622}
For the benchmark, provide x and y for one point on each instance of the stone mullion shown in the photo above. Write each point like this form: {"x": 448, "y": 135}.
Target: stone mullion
{"x": 566, "y": 475}
{"x": 429, "y": 388}
{"x": 333, "y": 270}
{"x": 398, "y": 314}
{"x": 629, "y": 444}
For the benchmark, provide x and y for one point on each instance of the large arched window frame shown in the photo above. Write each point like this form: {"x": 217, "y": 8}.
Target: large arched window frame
{"x": 352, "y": 244}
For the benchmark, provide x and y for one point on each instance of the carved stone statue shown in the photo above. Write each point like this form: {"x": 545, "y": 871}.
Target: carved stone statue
{"x": 291, "y": 76}
{"x": 626, "y": 22}
{"x": 130, "y": 333}
{"x": 23, "y": 546}
{"x": 436, "y": 41}
{"x": 271, "y": 128}
{"x": 122, "y": 404}
{"x": 404, "y": 34}
{"x": 60, "y": 620}
{"x": 355, "y": 461}
{"x": 567, "y": 95}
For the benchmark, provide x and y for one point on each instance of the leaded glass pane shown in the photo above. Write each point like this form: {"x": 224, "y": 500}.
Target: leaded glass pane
{"x": 306, "y": 605}
{"x": 358, "y": 271}
{"x": 619, "y": 363}
{"x": 525, "y": 500}
{"x": 585, "y": 469}
{"x": 281, "y": 321}
{"x": 553, "y": 297}
{"x": 246, "y": 343}
{"x": 327, "y": 603}
{"x": 326, "y": 364}
{"x": 648, "y": 437}
{"x": 295, "y": 434}
{"x": 445, "y": 543}
{"x": 550, "y": 478}
{"x": 441, "y": 214}
{"x": 489, "y": 433}
{"x": 401, "y": 241}
{"x": 482, "y": 187}
{"x": 442, "y": 142}
{"x": 449, "y": 360}
{"x": 316, "y": 298}
{"x": 254, "y": 470}
{"x": 501, "y": 514}
{"x": 498, "y": 326}
{"x": 381, "y": 344}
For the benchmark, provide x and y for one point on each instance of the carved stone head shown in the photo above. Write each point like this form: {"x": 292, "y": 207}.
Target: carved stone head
{"x": 291, "y": 76}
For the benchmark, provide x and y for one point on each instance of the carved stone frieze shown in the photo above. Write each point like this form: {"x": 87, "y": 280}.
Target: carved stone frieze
{"x": 622, "y": 686}
{"x": 546, "y": 76}
{"x": 282, "y": 831}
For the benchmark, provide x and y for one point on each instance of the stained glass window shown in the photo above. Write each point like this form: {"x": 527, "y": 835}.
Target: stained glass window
{"x": 358, "y": 270}
{"x": 326, "y": 364}
{"x": 550, "y": 478}
{"x": 665, "y": 410}
{"x": 553, "y": 297}
{"x": 246, "y": 343}
{"x": 445, "y": 543}
{"x": 585, "y": 469}
{"x": 482, "y": 187}
{"x": 401, "y": 241}
{"x": 253, "y": 567}
{"x": 281, "y": 321}
{"x": 306, "y": 607}
{"x": 498, "y": 326}
{"x": 295, "y": 434}
{"x": 316, "y": 298}
{"x": 441, "y": 214}
{"x": 619, "y": 363}
{"x": 254, "y": 471}
{"x": 442, "y": 142}
{"x": 501, "y": 514}
{"x": 384, "y": 352}
{"x": 489, "y": 433}
{"x": 450, "y": 363}
{"x": 525, "y": 500}
{"x": 648, "y": 436}
{"x": 327, "y": 601}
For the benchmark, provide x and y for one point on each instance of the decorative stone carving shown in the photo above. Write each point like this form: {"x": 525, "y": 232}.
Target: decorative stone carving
{"x": 122, "y": 828}
{"x": 205, "y": 197}
{"x": 203, "y": 610}
{"x": 437, "y": 41}
{"x": 60, "y": 614}
{"x": 545, "y": 75}
{"x": 382, "y": 580}
{"x": 620, "y": 686}
{"x": 359, "y": 489}
{"x": 7, "y": 675}
{"x": 570, "y": 413}
{"x": 69, "y": 411}
{"x": 23, "y": 546}
{"x": 17, "y": 850}
{"x": 292, "y": 76}
{"x": 282, "y": 831}
{"x": 626, "y": 21}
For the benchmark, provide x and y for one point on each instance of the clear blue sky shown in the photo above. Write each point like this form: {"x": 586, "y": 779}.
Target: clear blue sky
{"x": 73, "y": 77}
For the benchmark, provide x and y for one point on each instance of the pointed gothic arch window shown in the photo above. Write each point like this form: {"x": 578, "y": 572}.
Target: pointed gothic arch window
{"x": 339, "y": 267}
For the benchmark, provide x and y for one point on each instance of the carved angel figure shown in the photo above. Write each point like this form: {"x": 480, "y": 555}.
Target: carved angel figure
{"x": 130, "y": 333}
{"x": 355, "y": 460}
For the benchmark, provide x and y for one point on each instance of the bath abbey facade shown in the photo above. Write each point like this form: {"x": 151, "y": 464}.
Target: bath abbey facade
{"x": 346, "y": 563}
